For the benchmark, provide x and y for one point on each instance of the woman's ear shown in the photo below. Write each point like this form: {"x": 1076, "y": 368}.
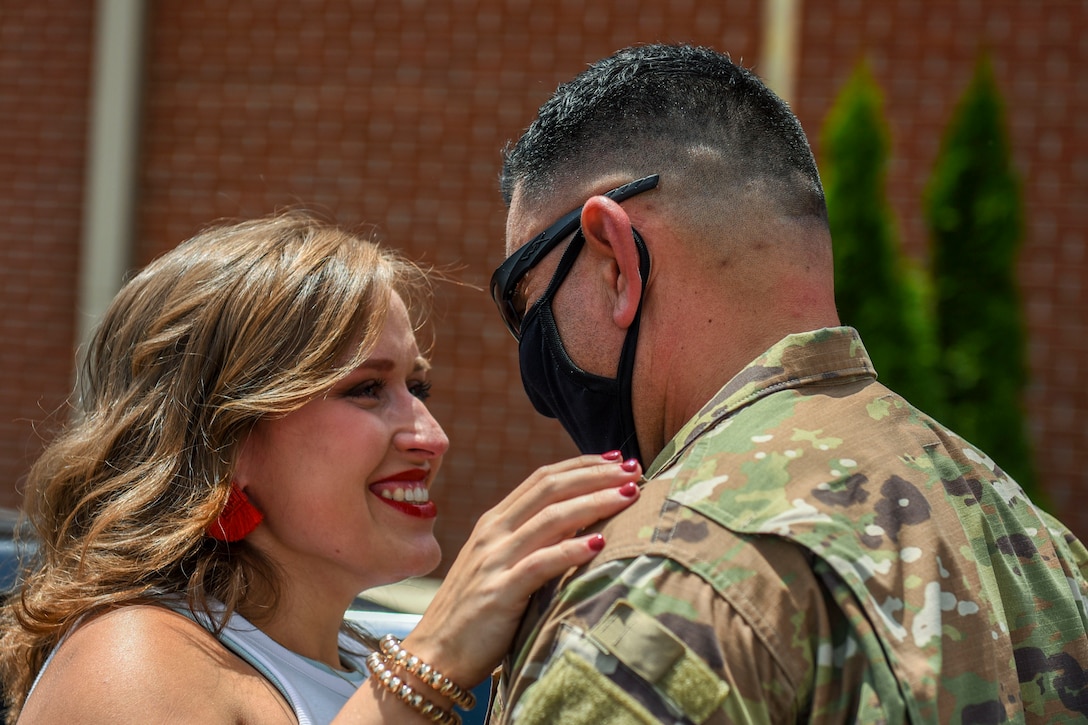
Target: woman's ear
{"x": 608, "y": 233}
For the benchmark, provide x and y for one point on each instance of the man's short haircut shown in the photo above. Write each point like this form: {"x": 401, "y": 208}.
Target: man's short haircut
{"x": 681, "y": 111}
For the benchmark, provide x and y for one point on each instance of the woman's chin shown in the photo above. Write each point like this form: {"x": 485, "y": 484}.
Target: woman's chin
{"x": 431, "y": 563}
{"x": 422, "y": 559}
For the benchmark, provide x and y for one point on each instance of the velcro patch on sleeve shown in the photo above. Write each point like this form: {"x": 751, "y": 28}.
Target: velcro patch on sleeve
{"x": 573, "y": 691}
{"x": 652, "y": 651}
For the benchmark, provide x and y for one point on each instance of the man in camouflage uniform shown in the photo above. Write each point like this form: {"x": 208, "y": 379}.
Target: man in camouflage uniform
{"x": 807, "y": 546}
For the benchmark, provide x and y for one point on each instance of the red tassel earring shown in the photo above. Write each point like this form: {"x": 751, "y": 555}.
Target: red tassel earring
{"x": 238, "y": 519}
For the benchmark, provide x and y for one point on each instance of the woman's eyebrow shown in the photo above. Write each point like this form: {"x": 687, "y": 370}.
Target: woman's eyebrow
{"x": 381, "y": 364}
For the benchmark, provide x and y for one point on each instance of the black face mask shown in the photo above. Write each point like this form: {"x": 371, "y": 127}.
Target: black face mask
{"x": 594, "y": 410}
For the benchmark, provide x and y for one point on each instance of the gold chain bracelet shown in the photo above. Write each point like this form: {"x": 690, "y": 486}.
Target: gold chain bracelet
{"x": 434, "y": 679}
{"x": 385, "y": 676}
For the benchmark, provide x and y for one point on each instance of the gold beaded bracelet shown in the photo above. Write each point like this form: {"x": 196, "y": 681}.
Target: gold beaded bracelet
{"x": 434, "y": 679}
{"x": 404, "y": 692}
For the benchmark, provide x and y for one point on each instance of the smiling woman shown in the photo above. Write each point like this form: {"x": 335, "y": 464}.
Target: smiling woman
{"x": 254, "y": 448}
{"x": 353, "y": 459}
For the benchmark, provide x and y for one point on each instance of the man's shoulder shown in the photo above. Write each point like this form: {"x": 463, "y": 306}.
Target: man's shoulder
{"x": 650, "y": 636}
{"x": 660, "y": 526}
{"x": 685, "y": 569}
{"x": 804, "y": 449}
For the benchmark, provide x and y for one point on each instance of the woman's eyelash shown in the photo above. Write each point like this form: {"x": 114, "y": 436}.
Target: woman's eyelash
{"x": 422, "y": 389}
{"x": 367, "y": 389}
{"x": 373, "y": 388}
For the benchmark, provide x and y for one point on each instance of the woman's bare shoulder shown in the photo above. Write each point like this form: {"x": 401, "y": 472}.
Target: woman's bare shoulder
{"x": 144, "y": 663}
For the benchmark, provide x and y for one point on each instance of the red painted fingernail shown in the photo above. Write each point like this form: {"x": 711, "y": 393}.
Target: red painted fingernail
{"x": 629, "y": 489}
{"x": 612, "y": 455}
{"x": 630, "y": 465}
{"x": 596, "y": 543}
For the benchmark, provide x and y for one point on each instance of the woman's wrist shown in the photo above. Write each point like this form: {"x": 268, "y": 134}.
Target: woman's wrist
{"x": 442, "y": 655}
{"x": 385, "y": 676}
{"x": 397, "y": 656}
{"x": 417, "y": 684}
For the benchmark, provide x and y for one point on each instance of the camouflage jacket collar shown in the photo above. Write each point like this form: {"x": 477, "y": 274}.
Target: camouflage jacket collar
{"x": 830, "y": 354}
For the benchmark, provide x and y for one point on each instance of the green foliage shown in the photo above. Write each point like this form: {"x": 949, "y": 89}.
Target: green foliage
{"x": 877, "y": 289}
{"x": 975, "y": 218}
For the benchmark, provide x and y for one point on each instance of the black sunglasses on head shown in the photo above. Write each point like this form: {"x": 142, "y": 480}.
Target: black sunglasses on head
{"x": 504, "y": 282}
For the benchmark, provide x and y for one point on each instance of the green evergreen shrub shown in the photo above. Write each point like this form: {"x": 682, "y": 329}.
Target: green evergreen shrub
{"x": 974, "y": 214}
{"x": 878, "y": 290}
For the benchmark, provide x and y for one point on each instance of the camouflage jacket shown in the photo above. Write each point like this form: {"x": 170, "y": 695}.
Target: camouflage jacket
{"x": 810, "y": 547}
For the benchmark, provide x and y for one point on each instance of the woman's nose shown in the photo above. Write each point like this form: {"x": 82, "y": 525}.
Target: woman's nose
{"x": 423, "y": 434}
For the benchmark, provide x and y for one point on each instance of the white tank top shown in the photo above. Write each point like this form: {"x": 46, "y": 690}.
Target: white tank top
{"x": 314, "y": 690}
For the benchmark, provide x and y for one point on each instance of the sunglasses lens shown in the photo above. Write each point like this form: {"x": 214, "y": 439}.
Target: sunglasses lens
{"x": 503, "y": 298}
{"x": 512, "y": 319}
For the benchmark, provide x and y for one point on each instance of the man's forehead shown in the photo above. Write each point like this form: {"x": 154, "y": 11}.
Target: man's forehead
{"x": 524, "y": 220}
{"x": 516, "y": 226}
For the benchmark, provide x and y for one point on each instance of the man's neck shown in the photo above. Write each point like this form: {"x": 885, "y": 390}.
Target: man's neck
{"x": 684, "y": 371}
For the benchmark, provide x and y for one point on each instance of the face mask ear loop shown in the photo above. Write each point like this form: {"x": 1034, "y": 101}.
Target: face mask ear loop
{"x": 566, "y": 263}
{"x": 626, "y": 368}
{"x": 643, "y": 262}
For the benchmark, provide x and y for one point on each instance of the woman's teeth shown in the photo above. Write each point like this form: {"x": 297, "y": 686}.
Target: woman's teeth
{"x": 411, "y": 495}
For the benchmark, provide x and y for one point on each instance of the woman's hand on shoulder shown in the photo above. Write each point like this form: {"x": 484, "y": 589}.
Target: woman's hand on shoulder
{"x": 145, "y": 663}
{"x": 529, "y": 538}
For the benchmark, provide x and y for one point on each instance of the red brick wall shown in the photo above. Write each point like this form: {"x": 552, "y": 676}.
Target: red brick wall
{"x": 393, "y": 114}
{"x": 45, "y": 49}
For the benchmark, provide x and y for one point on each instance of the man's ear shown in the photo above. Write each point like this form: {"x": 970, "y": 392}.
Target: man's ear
{"x": 608, "y": 233}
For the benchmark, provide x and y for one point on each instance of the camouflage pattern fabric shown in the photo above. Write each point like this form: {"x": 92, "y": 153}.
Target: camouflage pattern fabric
{"x": 811, "y": 548}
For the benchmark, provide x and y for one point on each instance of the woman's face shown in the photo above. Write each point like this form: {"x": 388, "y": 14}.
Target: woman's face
{"x": 343, "y": 481}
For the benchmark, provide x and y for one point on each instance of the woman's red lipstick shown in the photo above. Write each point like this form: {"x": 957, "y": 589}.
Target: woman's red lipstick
{"x": 410, "y": 500}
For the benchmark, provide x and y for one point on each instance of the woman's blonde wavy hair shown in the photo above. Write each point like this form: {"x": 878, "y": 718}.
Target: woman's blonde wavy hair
{"x": 238, "y": 323}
